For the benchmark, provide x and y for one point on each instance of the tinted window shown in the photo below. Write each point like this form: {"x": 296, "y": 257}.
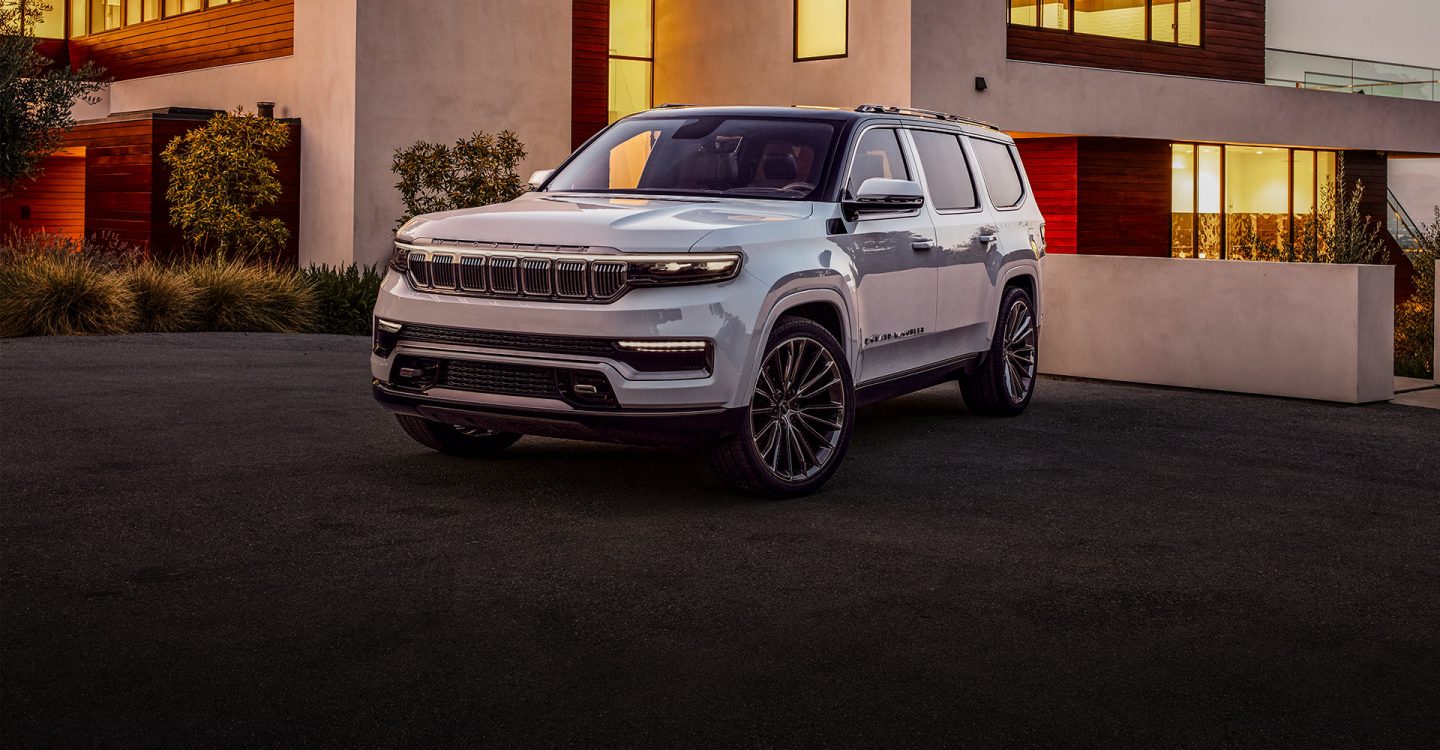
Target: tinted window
{"x": 878, "y": 155}
{"x": 946, "y": 173}
{"x": 1002, "y": 176}
{"x": 749, "y": 156}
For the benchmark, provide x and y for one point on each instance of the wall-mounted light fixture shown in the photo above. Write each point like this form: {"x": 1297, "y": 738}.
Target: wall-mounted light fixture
{"x": 265, "y": 109}
{"x": 980, "y": 84}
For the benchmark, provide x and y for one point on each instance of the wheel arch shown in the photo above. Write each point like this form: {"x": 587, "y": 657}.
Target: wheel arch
{"x": 826, "y": 307}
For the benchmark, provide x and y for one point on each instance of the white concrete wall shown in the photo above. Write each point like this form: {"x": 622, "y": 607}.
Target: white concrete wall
{"x": 954, "y": 42}
{"x": 422, "y": 75}
{"x": 1394, "y": 31}
{"x": 743, "y": 52}
{"x": 1301, "y": 330}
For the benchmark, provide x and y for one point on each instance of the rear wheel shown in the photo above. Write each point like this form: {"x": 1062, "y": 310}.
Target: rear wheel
{"x": 1004, "y": 383}
{"x": 800, "y": 416}
{"x": 456, "y": 440}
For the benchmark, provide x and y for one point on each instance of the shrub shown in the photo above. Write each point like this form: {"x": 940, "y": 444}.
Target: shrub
{"x": 232, "y": 295}
{"x": 61, "y": 293}
{"x": 165, "y": 299}
{"x": 220, "y": 176}
{"x": 1344, "y": 234}
{"x": 345, "y": 297}
{"x": 477, "y": 171}
{"x": 1415, "y": 318}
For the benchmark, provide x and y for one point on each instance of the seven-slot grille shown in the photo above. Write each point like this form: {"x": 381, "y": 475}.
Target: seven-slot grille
{"x": 522, "y": 275}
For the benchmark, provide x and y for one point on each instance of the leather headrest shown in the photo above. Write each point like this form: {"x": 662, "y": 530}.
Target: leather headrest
{"x": 780, "y": 165}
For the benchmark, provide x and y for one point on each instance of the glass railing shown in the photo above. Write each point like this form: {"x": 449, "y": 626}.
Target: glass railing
{"x": 1303, "y": 70}
{"x": 1401, "y": 226}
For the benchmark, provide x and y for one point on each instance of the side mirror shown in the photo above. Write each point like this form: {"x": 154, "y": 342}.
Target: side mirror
{"x": 879, "y": 195}
{"x": 539, "y": 177}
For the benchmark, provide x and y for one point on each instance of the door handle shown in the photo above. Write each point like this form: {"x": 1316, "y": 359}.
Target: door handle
{"x": 921, "y": 246}
{"x": 987, "y": 238}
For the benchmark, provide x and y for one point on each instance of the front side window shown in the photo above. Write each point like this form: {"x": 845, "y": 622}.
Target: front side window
{"x": 822, "y": 29}
{"x": 1165, "y": 21}
{"x": 946, "y": 173}
{"x": 783, "y": 159}
{"x": 1002, "y": 175}
{"x": 878, "y": 155}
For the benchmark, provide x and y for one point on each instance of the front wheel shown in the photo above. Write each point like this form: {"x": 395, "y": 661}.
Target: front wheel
{"x": 1004, "y": 383}
{"x": 800, "y": 416}
{"x": 454, "y": 439}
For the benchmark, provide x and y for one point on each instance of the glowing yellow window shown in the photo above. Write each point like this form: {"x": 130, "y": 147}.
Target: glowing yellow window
{"x": 821, "y": 29}
{"x": 632, "y": 56}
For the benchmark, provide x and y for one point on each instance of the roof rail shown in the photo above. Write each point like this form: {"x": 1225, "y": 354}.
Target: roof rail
{"x": 880, "y": 109}
{"x": 672, "y": 105}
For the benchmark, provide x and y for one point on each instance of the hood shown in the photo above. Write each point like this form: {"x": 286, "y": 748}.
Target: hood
{"x": 630, "y": 223}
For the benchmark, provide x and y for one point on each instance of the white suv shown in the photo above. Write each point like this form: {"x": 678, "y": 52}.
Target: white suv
{"x": 738, "y": 278}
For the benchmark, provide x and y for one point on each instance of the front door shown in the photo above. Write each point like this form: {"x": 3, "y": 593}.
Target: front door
{"x": 895, "y": 264}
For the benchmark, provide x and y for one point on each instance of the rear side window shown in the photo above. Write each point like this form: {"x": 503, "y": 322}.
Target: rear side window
{"x": 946, "y": 172}
{"x": 1002, "y": 174}
{"x": 877, "y": 155}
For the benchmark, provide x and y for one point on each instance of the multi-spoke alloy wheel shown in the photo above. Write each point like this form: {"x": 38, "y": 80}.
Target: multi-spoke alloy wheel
{"x": 799, "y": 419}
{"x": 1003, "y": 384}
{"x": 797, "y": 412}
{"x": 1020, "y": 345}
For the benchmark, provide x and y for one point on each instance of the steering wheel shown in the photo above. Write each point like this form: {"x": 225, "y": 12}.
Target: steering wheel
{"x": 802, "y": 186}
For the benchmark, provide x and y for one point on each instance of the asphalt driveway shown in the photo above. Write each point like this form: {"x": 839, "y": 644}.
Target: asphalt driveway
{"x": 220, "y": 540}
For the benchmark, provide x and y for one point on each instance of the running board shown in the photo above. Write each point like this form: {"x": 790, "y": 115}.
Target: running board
{"x": 911, "y": 381}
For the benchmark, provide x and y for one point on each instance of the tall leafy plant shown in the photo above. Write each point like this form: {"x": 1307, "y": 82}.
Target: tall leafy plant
{"x": 36, "y": 96}
{"x": 221, "y": 176}
{"x": 476, "y": 171}
{"x": 1344, "y": 233}
{"x": 1415, "y": 318}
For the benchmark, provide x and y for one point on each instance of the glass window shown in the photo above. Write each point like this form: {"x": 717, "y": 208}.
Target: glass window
{"x": 78, "y": 18}
{"x": 946, "y": 173}
{"x": 1162, "y": 21}
{"x": 1209, "y": 238}
{"x": 821, "y": 28}
{"x": 1123, "y": 19}
{"x": 878, "y": 155}
{"x": 134, "y": 12}
{"x": 1257, "y": 202}
{"x": 758, "y": 157}
{"x": 1182, "y": 200}
{"x": 629, "y": 87}
{"x": 1002, "y": 177}
{"x": 106, "y": 15}
{"x": 1187, "y": 22}
{"x": 51, "y": 24}
{"x": 632, "y": 57}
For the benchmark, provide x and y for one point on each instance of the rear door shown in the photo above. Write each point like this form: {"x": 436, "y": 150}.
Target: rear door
{"x": 894, "y": 263}
{"x": 1004, "y": 186}
{"x": 964, "y": 232}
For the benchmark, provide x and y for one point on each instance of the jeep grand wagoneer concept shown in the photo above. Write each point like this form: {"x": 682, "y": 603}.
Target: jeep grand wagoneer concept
{"x": 740, "y": 279}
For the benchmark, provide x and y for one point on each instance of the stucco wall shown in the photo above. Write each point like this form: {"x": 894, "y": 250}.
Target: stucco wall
{"x": 1284, "y": 329}
{"x": 954, "y": 42}
{"x": 745, "y": 55}
{"x": 1395, "y": 31}
{"x": 485, "y": 66}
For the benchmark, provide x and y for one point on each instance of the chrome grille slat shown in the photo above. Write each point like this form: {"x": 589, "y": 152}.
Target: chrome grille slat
{"x": 503, "y": 275}
{"x": 472, "y": 273}
{"x": 535, "y": 277}
{"x": 442, "y": 271}
{"x": 570, "y": 279}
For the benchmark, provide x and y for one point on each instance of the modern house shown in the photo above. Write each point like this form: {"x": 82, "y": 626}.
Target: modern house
{"x": 1189, "y": 128}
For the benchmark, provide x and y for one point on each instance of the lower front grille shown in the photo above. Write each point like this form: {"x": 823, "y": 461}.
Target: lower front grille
{"x": 506, "y": 380}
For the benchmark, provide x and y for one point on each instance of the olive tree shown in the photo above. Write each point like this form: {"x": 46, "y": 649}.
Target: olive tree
{"x": 476, "y": 171}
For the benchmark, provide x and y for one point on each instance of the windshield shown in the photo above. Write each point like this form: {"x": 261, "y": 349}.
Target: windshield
{"x": 754, "y": 157}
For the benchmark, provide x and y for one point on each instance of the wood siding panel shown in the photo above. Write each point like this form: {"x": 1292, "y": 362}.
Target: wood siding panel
{"x": 1123, "y": 200}
{"x": 54, "y": 204}
{"x": 244, "y": 32}
{"x": 1051, "y": 165}
{"x": 1233, "y": 46}
{"x": 590, "y": 69}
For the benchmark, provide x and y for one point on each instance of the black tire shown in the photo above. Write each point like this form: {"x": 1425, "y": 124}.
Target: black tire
{"x": 1004, "y": 383}
{"x": 454, "y": 439}
{"x": 802, "y": 411}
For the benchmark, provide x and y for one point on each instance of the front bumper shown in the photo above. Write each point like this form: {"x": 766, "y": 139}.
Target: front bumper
{"x": 669, "y": 427}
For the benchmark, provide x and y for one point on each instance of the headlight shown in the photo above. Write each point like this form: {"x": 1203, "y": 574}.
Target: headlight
{"x": 677, "y": 269}
{"x": 400, "y": 259}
